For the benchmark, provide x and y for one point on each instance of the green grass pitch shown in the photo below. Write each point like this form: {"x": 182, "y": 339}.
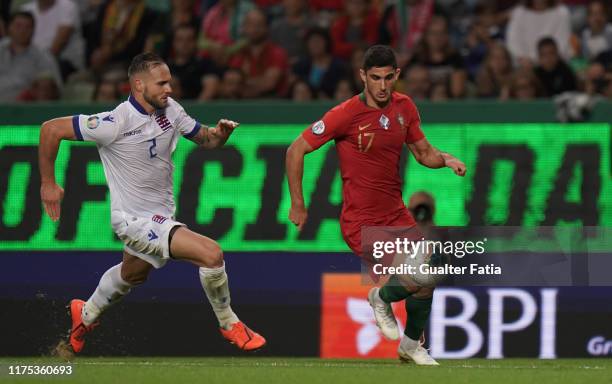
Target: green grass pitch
{"x": 254, "y": 370}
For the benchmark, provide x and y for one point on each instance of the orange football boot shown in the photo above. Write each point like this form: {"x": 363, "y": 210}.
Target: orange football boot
{"x": 243, "y": 337}
{"x": 79, "y": 329}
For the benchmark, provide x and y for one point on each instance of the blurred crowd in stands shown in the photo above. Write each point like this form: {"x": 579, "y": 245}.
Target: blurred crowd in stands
{"x": 305, "y": 49}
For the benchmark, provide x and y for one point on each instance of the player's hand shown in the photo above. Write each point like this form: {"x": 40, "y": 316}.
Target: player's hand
{"x": 298, "y": 216}
{"x": 457, "y": 166}
{"x": 51, "y": 195}
{"x": 223, "y": 129}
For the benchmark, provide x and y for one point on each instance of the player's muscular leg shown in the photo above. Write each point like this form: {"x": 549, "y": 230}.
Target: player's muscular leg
{"x": 200, "y": 250}
{"x": 134, "y": 270}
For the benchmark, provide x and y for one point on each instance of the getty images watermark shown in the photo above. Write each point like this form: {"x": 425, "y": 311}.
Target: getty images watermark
{"x": 415, "y": 257}
{"x": 489, "y": 256}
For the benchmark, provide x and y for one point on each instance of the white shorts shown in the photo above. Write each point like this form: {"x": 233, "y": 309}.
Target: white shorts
{"x": 145, "y": 237}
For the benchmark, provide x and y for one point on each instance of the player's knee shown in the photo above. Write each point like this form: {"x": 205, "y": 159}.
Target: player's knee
{"x": 134, "y": 277}
{"x": 213, "y": 257}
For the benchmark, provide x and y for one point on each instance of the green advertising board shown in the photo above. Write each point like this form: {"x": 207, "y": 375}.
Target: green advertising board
{"x": 518, "y": 174}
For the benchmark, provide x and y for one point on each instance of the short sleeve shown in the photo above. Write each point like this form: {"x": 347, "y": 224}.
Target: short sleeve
{"x": 414, "y": 132}
{"x": 186, "y": 125}
{"x": 69, "y": 15}
{"x": 101, "y": 128}
{"x": 330, "y": 127}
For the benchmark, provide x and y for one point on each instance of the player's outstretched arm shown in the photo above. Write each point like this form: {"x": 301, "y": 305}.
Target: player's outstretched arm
{"x": 52, "y": 132}
{"x": 210, "y": 138}
{"x": 294, "y": 163}
{"x": 431, "y": 157}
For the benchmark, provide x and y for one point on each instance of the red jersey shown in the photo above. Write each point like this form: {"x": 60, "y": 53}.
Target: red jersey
{"x": 369, "y": 142}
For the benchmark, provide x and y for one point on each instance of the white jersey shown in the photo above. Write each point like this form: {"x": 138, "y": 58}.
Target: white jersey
{"x": 136, "y": 150}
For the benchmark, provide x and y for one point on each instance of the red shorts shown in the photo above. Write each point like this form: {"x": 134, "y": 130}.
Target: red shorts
{"x": 351, "y": 232}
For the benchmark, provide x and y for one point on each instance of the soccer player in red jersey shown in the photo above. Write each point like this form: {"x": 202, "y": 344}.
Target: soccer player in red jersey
{"x": 370, "y": 130}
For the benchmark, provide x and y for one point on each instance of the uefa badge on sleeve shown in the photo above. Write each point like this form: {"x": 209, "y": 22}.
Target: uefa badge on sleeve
{"x": 93, "y": 122}
{"x": 318, "y": 127}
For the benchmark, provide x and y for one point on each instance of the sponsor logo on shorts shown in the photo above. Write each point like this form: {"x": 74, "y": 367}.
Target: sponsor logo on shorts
{"x": 318, "y": 127}
{"x": 109, "y": 118}
{"x": 152, "y": 235}
{"x": 159, "y": 219}
{"x": 93, "y": 122}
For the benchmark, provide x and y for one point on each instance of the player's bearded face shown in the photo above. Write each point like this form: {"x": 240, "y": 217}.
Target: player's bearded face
{"x": 379, "y": 82}
{"x": 157, "y": 88}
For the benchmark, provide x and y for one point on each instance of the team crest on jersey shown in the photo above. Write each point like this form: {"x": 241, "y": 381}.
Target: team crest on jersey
{"x": 318, "y": 127}
{"x": 384, "y": 122}
{"x": 93, "y": 122}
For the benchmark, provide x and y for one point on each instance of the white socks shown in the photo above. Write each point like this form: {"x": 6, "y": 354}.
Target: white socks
{"x": 111, "y": 289}
{"x": 214, "y": 282}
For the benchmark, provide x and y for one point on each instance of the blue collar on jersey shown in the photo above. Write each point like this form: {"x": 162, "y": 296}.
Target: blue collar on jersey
{"x": 137, "y": 105}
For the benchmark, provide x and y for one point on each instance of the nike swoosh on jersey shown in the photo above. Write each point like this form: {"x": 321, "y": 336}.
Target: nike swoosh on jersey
{"x": 361, "y": 128}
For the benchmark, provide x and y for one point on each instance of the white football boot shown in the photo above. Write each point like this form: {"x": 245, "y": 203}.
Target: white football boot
{"x": 383, "y": 313}
{"x": 412, "y": 351}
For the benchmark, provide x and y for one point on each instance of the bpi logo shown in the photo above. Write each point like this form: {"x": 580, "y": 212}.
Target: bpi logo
{"x": 348, "y": 328}
{"x": 163, "y": 122}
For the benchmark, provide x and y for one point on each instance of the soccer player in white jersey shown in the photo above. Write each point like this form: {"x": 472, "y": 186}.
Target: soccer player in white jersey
{"x": 135, "y": 142}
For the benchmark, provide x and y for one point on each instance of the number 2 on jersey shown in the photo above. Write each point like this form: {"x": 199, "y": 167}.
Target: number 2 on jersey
{"x": 152, "y": 150}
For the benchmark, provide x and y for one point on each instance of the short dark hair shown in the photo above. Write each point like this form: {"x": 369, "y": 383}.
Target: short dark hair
{"x": 379, "y": 56}
{"x": 323, "y": 33}
{"x": 27, "y": 15}
{"x": 546, "y": 41}
{"x": 144, "y": 62}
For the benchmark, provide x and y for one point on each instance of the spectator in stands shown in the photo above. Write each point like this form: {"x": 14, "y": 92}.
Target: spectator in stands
{"x": 595, "y": 79}
{"x": 529, "y": 24}
{"x": 289, "y": 31}
{"x": 417, "y": 82}
{"x": 402, "y": 27}
{"x": 198, "y": 77}
{"x": 597, "y": 37}
{"x": 444, "y": 63}
{"x": 5, "y": 12}
{"x": 358, "y": 26}
{"x": 58, "y": 30}
{"x": 106, "y": 91}
{"x": 344, "y": 90}
{"x": 119, "y": 33}
{"x": 353, "y": 74}
{"x": 553, "y": 73}
{"x": 440, "y": 92}
{"x": 43, "y": 88}
{"x": 20, "y": 61}
{"x": 232, "y": 84}
{"x": 496, "y": 72}
{"x": 319, "y": 69}
{"x": 524, "y": 85}
{"x": 482, "y": 34}
{"x": 161, "y": 36}
{"x": 263, "y": 63}
{"x": 220, "y": 31}
{"x": 301, "y": 91}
